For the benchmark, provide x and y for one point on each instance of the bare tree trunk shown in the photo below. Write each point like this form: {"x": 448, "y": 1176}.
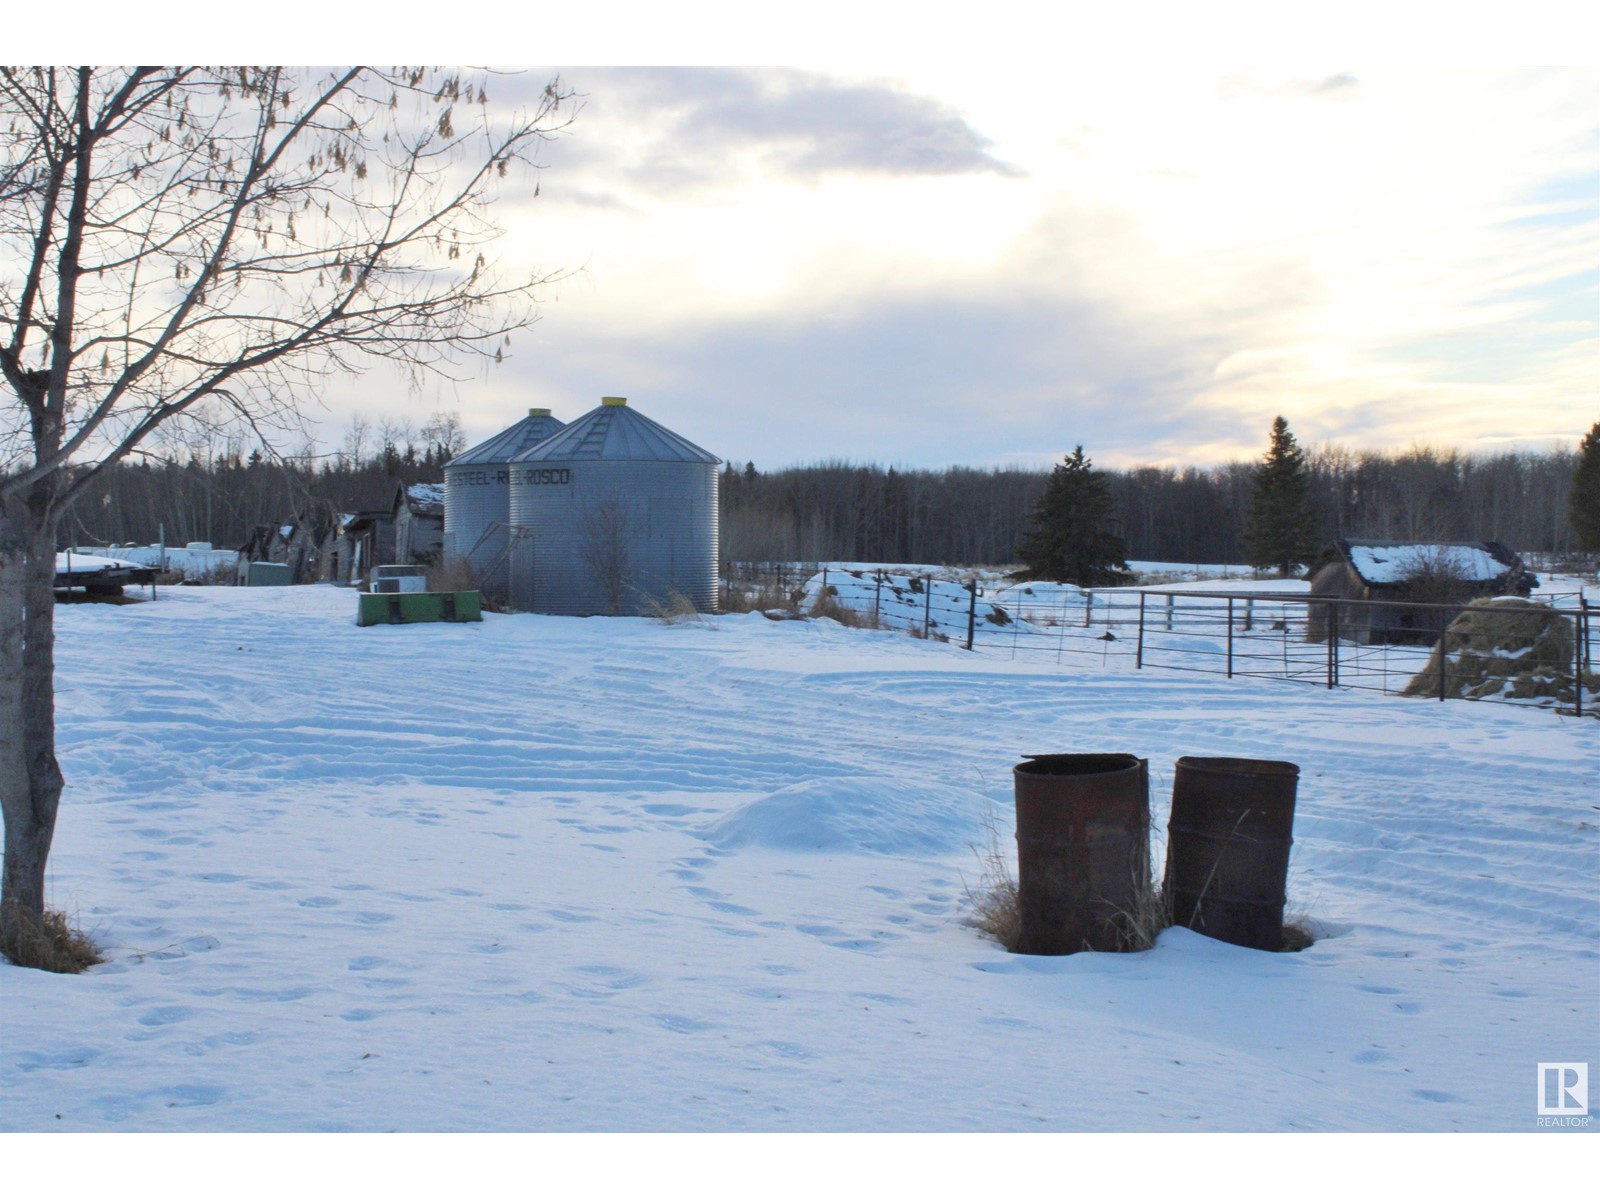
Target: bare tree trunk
{"x": 30, "y": 778}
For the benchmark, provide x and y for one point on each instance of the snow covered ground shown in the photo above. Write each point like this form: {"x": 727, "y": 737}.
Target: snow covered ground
{"x": 555, "y": 874}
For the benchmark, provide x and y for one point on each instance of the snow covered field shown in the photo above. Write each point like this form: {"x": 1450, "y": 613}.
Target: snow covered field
{"x": 562, "y": 875}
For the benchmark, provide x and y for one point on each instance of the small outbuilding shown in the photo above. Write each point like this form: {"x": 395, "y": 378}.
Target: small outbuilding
{"x": 297, "y": 543}
{"x": 417, "y": 514}
{"x": 1409, "y": 579}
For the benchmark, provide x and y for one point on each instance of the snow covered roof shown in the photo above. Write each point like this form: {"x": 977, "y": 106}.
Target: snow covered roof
{"x": 1393, "y": 562}
{"x": 426, "y": 495}
{"x": 508, "y": 443}
{"x": 83, "y": 564}
{"x": 615, "y": 431}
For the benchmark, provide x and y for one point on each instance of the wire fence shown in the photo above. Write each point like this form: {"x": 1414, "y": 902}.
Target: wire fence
{"x": 1540, "y": 655}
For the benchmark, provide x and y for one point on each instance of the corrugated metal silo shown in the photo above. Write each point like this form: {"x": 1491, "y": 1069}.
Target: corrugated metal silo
{"x": 623, "y": 514}
{"x": 477, "y": 497}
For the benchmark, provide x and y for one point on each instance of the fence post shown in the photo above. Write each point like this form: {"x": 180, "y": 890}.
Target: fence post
{"x": 1230, "y": 634}
{"x": 1170, "y": 600}
{"x": 1442, "y": 648}
{"x": 1588, "y": 654}
{"x": 972, "y": 610}
{"x": 1249, "y": 614}
{"x": 927, "y": 603}
{"x": 1138, "y": 658}
{"x": 1333, "y": 643}
{"x": 1580, "y": 636}
{"x": 1088, "y": 605}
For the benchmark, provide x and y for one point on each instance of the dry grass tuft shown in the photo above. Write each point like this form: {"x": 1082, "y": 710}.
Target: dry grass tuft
{"x": 1137, "y": 928}
{"x": 457, "y": 575}
{"x": 995, "y": 910}
{"x": 827, "y": 605}
{"x": 1296, "y": 937}
{"x": 53, "y": 945}
{"x": 764, "y": 597}
{"x": 677, "y": 610}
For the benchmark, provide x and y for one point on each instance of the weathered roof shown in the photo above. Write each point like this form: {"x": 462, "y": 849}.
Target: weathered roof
{"x": 615, "y": 431}
{"x": 426, "y": 497}
{"x": 508, "y": 443}
{"x": 1388, "y": 562}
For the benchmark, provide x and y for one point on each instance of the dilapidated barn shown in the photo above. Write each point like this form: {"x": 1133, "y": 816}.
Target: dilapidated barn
{"x": 1407, "y": 580}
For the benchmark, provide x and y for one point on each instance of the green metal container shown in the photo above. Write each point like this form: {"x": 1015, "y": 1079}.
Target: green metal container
{"x": 269, "y": 574}
{"x": 413, "y": 608}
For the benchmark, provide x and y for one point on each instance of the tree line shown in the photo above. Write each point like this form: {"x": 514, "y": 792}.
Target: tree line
{"x": 216, "y": 492}
{"x": 841, "y": 511}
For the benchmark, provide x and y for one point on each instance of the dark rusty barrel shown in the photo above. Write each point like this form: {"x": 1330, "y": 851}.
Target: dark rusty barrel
{"x": 1083, "y": 848}
{"x": 1228, "y": 848}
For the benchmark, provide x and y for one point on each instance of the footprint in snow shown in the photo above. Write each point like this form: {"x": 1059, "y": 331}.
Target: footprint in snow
{"x": 789, "y": 1050}
{"x": 1436, "y": 1096}
{"x": 192, "y": 1095}
{"x": 169, "y": 1014}
{"x": 681, "y": 1024}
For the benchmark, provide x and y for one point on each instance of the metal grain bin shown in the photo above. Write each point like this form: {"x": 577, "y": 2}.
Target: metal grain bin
{"x": 1083, "y": 849}
{"x": 1228, "y": 848}
{"x": 477, "y": 498}
{"x": 622, "y": 514}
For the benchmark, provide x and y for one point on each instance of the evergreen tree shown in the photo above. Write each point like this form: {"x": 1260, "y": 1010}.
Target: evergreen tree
{"x": 1073, "y": 537}
{"x": 1282, "y": 530}
{"x": 1584, "y": 502}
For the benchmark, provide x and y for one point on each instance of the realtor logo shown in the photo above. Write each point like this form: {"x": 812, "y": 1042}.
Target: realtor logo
{"x": 1564, "y": 1089}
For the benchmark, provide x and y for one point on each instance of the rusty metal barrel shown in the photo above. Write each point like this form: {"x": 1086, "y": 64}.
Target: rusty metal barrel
{"x": 1083, "y": 848}
{"x": 1228, "y": 844}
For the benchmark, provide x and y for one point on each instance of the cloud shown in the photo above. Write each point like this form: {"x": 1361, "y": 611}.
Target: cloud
{"x": 927, "y": 379}
{"x": 673, "y": 130}
{"x": 1253, "y": 85}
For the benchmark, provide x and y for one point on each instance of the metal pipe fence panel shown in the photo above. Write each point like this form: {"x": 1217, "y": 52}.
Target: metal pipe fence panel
{"x": 1541, "y": 655}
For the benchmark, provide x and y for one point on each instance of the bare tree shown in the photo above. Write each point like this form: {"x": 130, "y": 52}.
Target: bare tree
{"x": 605, "y": 539}
{"x": 444, "y": 436}
{"x": 354, "y": 448}
{"x": 199, "y": 247}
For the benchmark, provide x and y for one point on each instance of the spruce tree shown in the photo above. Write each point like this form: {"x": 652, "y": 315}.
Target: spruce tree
{"x": 1283, "y": 530}
{"x": 1584, "y": 503}
{"x": 1073, "y": 536}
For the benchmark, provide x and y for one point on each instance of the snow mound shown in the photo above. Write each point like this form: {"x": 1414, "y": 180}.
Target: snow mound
{"x": 867, "y": 814}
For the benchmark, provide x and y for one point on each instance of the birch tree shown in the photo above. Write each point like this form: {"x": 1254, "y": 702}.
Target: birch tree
{"x": 202, "y": 247}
